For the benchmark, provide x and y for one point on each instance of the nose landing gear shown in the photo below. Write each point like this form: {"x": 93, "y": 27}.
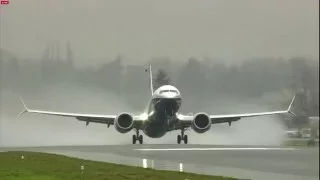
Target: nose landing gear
{"x": 182, "y": 137}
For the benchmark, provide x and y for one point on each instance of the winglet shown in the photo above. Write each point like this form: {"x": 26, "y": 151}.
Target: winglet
{"x": 290, "y": 106}
{"x": 25, "y": 108}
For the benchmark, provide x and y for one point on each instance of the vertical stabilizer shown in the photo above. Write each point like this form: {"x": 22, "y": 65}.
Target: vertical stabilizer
{"x": 150, "y": 79}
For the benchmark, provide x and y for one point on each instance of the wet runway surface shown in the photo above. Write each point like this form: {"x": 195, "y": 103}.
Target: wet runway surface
{"x": 245, "y": 162}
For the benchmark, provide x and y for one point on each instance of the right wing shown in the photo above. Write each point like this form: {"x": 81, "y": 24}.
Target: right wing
{"x": 185, "y": 120}
{"x": 88, "y": 118}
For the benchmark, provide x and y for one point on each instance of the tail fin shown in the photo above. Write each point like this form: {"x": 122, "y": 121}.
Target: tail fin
{"x": 150, "y": 79}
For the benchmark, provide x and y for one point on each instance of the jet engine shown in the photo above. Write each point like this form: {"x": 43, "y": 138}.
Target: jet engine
{"x": 201, "y": 123}
{"x": 123, "y": 123}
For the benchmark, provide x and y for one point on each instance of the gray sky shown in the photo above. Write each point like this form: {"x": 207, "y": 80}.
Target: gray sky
{"x": 141, "y": 29}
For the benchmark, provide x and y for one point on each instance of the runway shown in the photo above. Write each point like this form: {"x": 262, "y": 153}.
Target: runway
{"x": 244, "y": 162}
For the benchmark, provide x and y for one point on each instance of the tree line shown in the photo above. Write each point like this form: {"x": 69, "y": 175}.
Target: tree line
{"x": 195, "y": 78}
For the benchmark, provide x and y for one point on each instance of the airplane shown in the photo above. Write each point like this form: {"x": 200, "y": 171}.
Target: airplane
{"x": 160, "y": 117}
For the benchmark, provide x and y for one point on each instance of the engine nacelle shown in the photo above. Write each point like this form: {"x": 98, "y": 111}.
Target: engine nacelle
{"x": 123, "y": 123}
{"x": 201, "y": 123}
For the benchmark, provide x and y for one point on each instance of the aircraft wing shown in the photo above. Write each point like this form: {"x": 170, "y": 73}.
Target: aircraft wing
{"x": 88, "y": 118}
{"x": 185, "y": 120}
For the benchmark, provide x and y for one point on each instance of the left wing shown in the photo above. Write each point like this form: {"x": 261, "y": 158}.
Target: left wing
{"x": 88, "y": 118}
{"x": 185, "y": 120}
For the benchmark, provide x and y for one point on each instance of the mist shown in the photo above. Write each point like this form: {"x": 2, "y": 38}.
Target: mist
{"x": 247, "y": 131}
{"x": 89, "y": 57}
{"x": 115, "y": 87}
{"x": 43, "y": 130}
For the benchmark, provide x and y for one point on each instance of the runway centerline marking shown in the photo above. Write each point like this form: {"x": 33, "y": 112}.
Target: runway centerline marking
{"x": 214, "y": 149}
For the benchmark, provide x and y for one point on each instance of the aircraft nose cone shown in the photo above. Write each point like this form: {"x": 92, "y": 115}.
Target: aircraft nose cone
{"x": 171, "y": 95}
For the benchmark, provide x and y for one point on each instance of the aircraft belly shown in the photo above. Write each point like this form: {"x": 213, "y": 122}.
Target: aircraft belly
{"x": 158, "y": 125}
{"x": 154, "y": 131}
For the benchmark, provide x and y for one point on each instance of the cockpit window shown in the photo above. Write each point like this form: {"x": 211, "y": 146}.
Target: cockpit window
{"x": 163, "y": 91}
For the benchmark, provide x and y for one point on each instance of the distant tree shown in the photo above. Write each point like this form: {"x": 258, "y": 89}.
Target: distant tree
{"x": 1, "y": 72}
{"x": 162, "y": 78}
{"x": 306, "y": 81}
{"x": 13, "y": 69}
{"x": 300, "y": 109}
{"x": 109, "y": 75}
{"x": 192, "y": 78}
{"x": 69, "y": 54}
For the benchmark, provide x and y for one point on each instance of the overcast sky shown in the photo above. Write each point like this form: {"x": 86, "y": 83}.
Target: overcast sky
{"x": 141, "y": 29}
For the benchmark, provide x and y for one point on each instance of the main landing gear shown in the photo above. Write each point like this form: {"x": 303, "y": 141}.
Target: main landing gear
{"x": 182, "y": 137}
{"x": 137, "y": 137}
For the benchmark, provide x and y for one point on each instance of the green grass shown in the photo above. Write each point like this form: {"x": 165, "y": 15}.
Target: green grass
{"x": 295, "y": 142}
{"x": 42, "y": 166}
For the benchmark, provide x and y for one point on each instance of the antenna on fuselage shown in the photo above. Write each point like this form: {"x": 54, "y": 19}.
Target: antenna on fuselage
{"x": 150, "y": 78}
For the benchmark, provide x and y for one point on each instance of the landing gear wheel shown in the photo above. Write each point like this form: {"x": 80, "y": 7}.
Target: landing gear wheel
{"x": 185, "y": 139}
{"x": 182, "y": 137}
{"x": 134, "y": 138}
{"x": 137, "y": 137}
{"x": 178, "y": 139}
{"x": 141, "y": 139}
